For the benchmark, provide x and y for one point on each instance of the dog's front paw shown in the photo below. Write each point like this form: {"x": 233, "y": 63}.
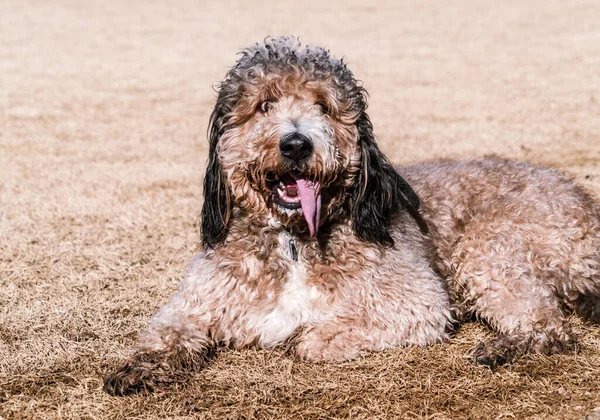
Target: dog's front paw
{"x": 143, "y": 374}
{"x": 149, "y": 372}
{"x": 132, "y": 378}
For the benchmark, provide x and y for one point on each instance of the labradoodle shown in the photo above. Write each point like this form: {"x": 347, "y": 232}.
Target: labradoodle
{"x": 313, "y": 241}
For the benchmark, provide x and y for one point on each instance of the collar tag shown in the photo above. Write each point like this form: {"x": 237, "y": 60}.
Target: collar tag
{"x": 293, "y": 251}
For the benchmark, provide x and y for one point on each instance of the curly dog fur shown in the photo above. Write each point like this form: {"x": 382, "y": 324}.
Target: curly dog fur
{"x": 314, "y": 241}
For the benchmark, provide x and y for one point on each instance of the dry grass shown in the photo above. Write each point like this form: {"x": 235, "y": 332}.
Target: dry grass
{"x": 103, "y": 113}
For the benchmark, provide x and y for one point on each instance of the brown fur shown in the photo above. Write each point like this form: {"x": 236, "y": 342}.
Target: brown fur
{"x": 507, "y": 242}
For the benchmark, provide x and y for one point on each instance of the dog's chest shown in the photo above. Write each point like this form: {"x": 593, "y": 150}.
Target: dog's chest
{"x": 295, "y": 305}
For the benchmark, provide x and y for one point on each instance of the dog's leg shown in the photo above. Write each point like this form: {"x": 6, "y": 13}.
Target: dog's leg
{"x": 504, "y": 278}
{"x": 375, "y": 326}
{"x": 332, "y": 342}
{"x": 528, "y": 321}
{"x": 543, "y": 330}
{"x": 345, "y": 339}
{"x": 180, "y": 337}
{"x": 173, "y": 346}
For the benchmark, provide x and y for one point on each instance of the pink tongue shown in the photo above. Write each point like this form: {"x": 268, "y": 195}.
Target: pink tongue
{"x": 310, "y": 199}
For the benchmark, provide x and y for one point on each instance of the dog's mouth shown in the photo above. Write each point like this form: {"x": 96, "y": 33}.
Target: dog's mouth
{"x": 294, "y": 191}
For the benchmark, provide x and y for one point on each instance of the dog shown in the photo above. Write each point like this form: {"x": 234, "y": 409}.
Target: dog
{"x": 314, "y": 242}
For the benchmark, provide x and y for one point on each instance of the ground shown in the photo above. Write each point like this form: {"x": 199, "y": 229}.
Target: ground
{"x": 104, "y": 108}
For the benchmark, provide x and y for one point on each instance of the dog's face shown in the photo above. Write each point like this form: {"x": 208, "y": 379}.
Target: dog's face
{"x": 291, "y": 144}
{"x": 290, "y": 148}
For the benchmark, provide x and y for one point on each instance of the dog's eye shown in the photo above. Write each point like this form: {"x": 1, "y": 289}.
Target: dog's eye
{"x": 323, "y": 107}
{"x": 265, "y": 106}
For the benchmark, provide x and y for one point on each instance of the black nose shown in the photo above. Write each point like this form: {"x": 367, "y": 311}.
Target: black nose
{"x": 295, "y": 147}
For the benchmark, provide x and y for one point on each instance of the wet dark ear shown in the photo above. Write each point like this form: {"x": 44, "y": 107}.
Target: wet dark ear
{"x": 217, "y": 207}
{"x": 379, "y": 192}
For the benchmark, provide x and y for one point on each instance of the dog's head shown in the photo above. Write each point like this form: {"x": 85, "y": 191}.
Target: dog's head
{"x": 290, "y": 140}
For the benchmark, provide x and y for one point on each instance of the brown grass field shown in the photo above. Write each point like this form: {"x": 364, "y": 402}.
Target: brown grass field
{"x": 103, "y": 114}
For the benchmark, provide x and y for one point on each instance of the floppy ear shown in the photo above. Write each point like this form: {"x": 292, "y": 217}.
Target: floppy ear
{"x": 217, "y": 206}
{"x": 379, "y": 192}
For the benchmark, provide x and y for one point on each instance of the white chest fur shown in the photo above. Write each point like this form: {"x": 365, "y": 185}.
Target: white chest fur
{"x": 296, "y": 304}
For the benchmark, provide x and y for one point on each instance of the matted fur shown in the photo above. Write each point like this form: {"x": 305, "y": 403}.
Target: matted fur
{"x": 513, "y": 244}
